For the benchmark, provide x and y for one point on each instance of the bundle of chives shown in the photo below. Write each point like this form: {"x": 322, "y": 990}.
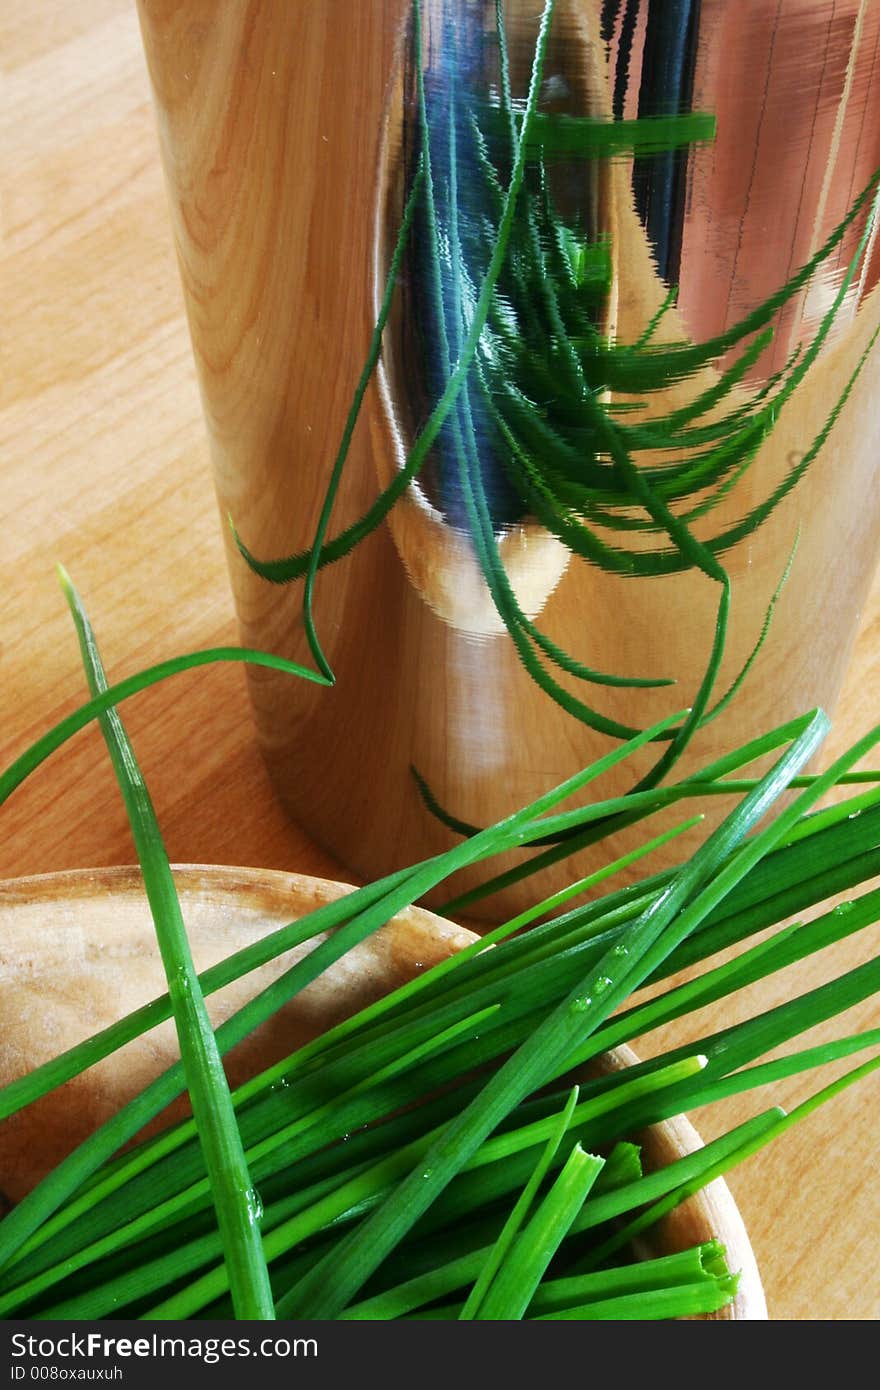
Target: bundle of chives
{"x": 420, "y": 1158}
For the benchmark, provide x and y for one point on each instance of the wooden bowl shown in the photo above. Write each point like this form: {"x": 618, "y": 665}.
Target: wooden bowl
{"x": 79, "y": 950}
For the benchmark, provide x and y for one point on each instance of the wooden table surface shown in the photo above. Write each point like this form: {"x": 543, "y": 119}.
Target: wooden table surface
{"x": 105, "y": 468}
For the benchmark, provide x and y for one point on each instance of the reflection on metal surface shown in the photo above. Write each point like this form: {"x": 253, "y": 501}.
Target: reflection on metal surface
{"x": 537, "y": 342}
{"x": 465, "y": 84}
{"x": 290, "y": 149}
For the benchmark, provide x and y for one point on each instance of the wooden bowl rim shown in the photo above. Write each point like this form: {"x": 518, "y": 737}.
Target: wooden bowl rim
{"x": 710, "y": 1213}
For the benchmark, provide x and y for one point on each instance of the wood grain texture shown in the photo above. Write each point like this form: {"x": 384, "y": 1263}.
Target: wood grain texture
{"x": 105, "y": 467}
{"x": 105, "y": 462}
{"x": 79, "y": 951}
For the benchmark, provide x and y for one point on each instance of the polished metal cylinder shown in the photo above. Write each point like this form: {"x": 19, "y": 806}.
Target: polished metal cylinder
{"x": 666, "y": 392}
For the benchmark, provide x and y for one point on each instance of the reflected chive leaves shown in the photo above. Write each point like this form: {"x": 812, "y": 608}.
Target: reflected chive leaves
{"x": 536, "y": 411}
